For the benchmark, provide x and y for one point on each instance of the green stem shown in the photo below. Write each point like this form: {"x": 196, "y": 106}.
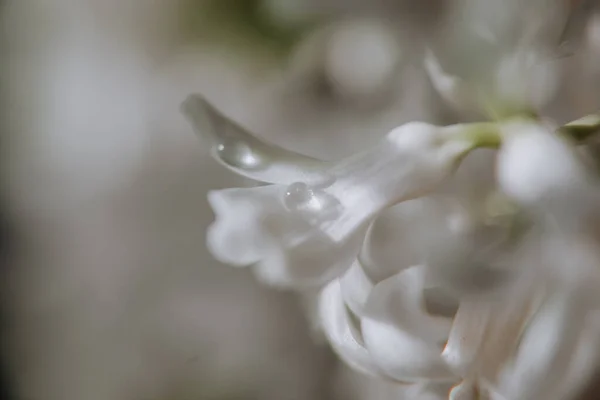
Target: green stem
{"x": 488, "y": 134}
{"x": 480, "y": 134}
{"x": 582, "y": 128}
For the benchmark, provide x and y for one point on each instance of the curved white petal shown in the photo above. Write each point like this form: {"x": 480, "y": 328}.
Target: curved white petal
{"x": 389, "y": 244}
{"x": 485, "y": 333}
{"x": 356, "y": 287}
{"x": 336, "y": 323}
{"x": 404, "y": 341}
{"x": 245, "y": 154}
{"x": 546, "y": 349}
{"x": 238, "y": 236}
{"x": 466, "y": 337}
{"x": 472, "y": 262}
{"x": 526, "y": 78}
{"x": 451, "y": 89}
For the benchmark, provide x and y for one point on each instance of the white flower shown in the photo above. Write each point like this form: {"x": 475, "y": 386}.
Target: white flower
{"x": 429, "y": 282}
{"x": 309, "y": 226}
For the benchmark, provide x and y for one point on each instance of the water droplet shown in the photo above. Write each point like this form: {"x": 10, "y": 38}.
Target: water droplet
{"x": 297, "y": 196}
{"x": 315, "y": 205}
{"x": 238, "y": 154}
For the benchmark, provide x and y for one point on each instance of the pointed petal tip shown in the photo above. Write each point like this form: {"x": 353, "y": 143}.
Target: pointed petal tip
{"x": 201, "y": 114}
{"x": 193, "y": 105}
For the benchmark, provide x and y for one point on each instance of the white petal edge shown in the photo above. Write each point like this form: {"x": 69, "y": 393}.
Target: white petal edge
{"x": 450, "y": 88}
{"x": 336, "y": 324}
{"x": 356, "y": 287}
{"x": 546, "y": 349}
{"x": 236, "y": 237}
{"x": 399, "y": 334}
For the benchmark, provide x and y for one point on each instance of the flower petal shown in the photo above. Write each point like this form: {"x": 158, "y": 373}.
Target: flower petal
{"x": 585, "y": 360}
{"x": 310, "y": 262}
{"x": 451, "y": 88}
{"x": 237, "y": 236}
{"x": 253, "y": 226}
{"x": 402, "y": 338}
{"x": 356, "y": 287}
{"x": 389, "y": 244}
{"x": 485, "y": 333}
{"x": 247, "y": 155}
{"x": 336, "y": 323}
{"x": 410, "y": 162}
{"x": 546, "y": 349}
{"x": 526, "y": 78}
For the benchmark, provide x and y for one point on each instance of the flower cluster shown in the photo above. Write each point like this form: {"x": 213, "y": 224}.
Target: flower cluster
{"x": 479, "y": 290}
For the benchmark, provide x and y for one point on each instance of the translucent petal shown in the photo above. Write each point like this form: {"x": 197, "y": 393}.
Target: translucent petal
{"x": 485, "y": 334}
{"x": 585, "y": 359}
{"x": 472, "y": 262}
{"x": 526, "y": 78}
{"x": 403, "y": 339}
{"x": 247, "y": 155}
{"x": 546, "y": 349}
{"x": 466, "y": 251}
{"x": 450, "y": 88}
{"x": 336, "y": 323}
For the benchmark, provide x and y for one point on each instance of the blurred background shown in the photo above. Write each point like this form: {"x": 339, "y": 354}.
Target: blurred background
{"x": 108, "y": 291}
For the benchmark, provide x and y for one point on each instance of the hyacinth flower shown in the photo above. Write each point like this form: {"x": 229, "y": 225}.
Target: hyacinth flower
{"x": 462, "y": 316}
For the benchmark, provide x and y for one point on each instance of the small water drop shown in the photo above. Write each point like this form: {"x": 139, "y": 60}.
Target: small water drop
{"x": 297, "y": 196}
{"x": 316, "y": 205}
{"x": 238, "y": 154}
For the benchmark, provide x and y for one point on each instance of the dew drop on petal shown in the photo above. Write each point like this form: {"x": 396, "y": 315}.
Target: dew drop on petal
{"x": 238, "y": 154}
{"x": 314, "y": 204}
{"x": 297, "y": 196}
